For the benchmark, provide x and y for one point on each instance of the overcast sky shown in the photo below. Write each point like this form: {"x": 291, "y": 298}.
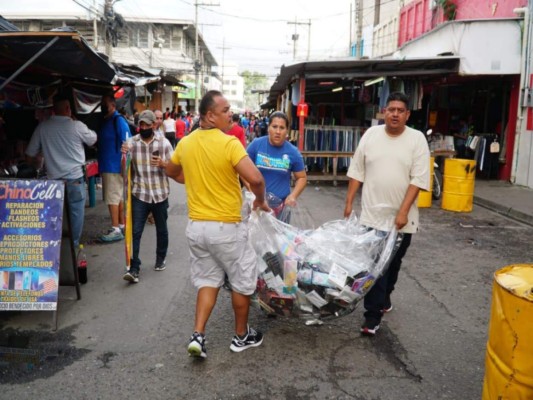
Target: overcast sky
{"x": 256, "y": 33}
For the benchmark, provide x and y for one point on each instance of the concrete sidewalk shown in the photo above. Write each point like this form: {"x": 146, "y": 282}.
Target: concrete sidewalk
{"x": 513, "y": 201}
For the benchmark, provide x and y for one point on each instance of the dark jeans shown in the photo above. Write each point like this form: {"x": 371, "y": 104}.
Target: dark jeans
{"x": 139, "y": 213}
{"x": 171, "y": 136}
{"x": 378, "y": 297}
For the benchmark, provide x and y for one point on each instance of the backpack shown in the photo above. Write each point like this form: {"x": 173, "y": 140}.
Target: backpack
{"x": 118, "y": 137}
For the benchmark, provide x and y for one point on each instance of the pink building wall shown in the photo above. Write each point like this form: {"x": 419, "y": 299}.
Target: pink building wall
{"x": 416, "y": 18}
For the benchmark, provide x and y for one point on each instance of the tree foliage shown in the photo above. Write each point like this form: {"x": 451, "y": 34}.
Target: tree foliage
{"x": 253, "y": 80}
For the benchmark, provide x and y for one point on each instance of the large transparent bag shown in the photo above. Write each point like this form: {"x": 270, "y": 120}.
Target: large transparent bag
{"x": 317, "y": 273}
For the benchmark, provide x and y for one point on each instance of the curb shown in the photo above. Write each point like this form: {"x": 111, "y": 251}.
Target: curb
{"x": 506, "y": 211}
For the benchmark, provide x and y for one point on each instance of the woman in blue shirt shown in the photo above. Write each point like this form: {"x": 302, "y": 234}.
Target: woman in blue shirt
{"x": 277, "y": 159}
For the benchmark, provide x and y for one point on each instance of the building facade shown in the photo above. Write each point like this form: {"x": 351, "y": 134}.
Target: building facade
{"x": 159, "y": 45}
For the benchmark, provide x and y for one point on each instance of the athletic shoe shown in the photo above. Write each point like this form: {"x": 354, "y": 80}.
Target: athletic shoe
{"x": 131, "y": 276}
{"x": 160, "y": 265}
{"x": 251, "y": 339}
{"x": 388, "y": 305}
{"x": 196, "y": 346}
{"x": 112, "y": 236}
{"x": 370, "y": 327}
{"x": 387, "y": 309}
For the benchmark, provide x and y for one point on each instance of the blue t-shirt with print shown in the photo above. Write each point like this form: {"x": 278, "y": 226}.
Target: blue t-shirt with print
{"x": 276, "y": 164}
{"x": 113, "y": 132}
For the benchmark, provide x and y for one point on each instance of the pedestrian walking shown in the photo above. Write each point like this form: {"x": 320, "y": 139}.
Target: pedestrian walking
{"x": 158, "y": 126}
{"x": 392, "y": 161}
{"x": 181, "y": 126}
{"x": 209, "y": 162}
{"x": 169, "y": 126}
{"x": 61, "y": 141}
{"x": 278, "y": 160}
{"x": 113, "y": 133}
{"x": 150, "y": 189}
{"x": 237, "y": 130}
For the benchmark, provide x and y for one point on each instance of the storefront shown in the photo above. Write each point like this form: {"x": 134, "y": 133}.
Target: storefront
{"x": 339, "y": 100}
{"x": 34, "y": 66}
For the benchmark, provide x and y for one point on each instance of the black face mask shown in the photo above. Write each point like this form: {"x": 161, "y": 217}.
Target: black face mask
{"x": 146, "y": 133}
{"x": 104, "y": 110}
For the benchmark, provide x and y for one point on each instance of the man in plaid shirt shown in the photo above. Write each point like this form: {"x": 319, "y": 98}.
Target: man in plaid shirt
{"x": 150, "y": 154}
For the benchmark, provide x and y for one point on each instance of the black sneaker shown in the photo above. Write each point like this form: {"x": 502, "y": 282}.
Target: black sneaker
{"x": 160, "y": 265}
{"x": 251, "y": 339}
{"x": 388, "y": 305}
{"x": 370, "y": 327}
{"x": 196, "y": 346}
{"x": 387, "y": 309}
{"x": 131, "y": 276}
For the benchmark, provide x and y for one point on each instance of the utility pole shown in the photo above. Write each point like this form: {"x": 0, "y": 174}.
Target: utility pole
{"x": 350, "y": 38}
{"x": 95, "y": 26}
{"x": 224, "y": 48}
{"x": 377, "y": 11}
{"x": 108, "y": 13}
{"x": 295, "y": 36}
{"x": 359, "y": 30}
{"x": 197, "y": 62}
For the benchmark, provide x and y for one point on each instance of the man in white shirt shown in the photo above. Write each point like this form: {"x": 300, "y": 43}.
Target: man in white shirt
{"x": 392, "y": 161}
{"x": 61, "y": 141}
{"x": 158, "y": 126}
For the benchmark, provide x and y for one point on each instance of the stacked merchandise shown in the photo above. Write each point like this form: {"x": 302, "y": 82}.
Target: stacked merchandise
{"x": 320, "y": 273}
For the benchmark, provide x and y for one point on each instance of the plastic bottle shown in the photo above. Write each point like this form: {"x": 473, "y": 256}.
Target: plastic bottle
{"x": 82, "y": 265}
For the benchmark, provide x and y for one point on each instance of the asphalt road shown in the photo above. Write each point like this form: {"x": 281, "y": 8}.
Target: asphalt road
{"x": 129, "y": 341}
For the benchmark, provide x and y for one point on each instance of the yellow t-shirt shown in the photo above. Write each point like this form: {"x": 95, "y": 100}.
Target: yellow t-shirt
{"x": 208, "y": 158}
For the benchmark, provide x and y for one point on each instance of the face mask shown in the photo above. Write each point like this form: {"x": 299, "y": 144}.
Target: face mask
{"x": 104, "y": 109}
{"x": 146, "y": 133}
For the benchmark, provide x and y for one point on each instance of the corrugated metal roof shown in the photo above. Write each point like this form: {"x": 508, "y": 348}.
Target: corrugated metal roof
{"x": 351, "y": 68}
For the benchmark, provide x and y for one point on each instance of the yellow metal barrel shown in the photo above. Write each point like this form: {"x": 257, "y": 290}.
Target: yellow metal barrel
{"x": 424, "y": 196}
{"x": 509, "y": 357}
{"x": 458, "y": 187}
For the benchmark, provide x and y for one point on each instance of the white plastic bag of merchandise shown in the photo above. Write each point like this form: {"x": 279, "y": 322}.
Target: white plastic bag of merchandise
{"x": 317, "y": 273}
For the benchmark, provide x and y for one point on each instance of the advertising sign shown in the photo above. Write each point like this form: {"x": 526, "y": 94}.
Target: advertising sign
{"x": 31, "y": 220}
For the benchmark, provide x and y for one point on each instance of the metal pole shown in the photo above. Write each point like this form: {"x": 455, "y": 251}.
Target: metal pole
{"x": 295, "y": 38}
{"x": 197, "y": 61}
{"x": 224, "y": 48}
{"x": 350, "y": 38}
{"x": 359, "y": 41}
{"x": 95, "y": 27}
{"x": 309, "y": 40}
{"x": 108, "y": 10}
{"x": 25, "y": 65}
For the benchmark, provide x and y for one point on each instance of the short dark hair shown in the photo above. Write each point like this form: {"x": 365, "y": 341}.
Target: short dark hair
{"x": 208, "y": 101}
{"x": 62, "y": 96}
{"x": 278, "y": 114}
{"x": 235, "y": 117}
{"x": 111, "y": 97}
{"x": 398, "y": 96}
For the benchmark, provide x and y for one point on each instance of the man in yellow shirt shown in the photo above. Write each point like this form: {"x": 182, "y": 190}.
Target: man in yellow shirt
{"x": 210, "y": 162}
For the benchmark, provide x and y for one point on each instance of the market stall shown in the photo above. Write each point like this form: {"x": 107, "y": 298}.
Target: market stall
{"x": 331, "y": 103}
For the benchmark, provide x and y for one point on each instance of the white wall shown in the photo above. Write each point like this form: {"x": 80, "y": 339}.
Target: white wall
{"x": 485, "y": 47}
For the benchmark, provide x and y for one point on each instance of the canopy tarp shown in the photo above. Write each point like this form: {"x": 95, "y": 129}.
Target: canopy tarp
{"x": 67, "y": 55}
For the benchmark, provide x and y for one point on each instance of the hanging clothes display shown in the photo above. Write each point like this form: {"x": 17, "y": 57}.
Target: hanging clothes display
{"x": 487, "y": 162}
{"x": 328, "y": 139}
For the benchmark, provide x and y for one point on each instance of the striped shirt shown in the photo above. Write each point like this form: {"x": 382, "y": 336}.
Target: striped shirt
{"x": 149, "y": 184}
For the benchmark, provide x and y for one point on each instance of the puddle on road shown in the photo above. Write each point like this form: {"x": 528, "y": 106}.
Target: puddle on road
{"x": 29, "y": 355}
